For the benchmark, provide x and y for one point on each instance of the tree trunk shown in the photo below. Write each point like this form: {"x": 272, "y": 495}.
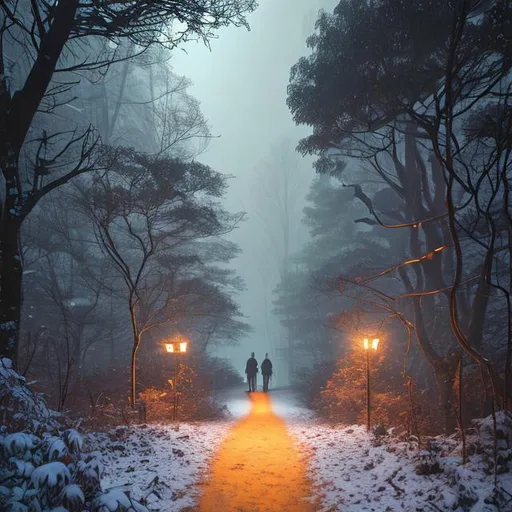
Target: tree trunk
{"x": 445, "y": 381}
{"x": 16, "y": 118}
{"x": 11, "y": 284}
{"x": 27, "y": 100}
{"x": 135, "y": 349}
{"x": 458, "y": 396}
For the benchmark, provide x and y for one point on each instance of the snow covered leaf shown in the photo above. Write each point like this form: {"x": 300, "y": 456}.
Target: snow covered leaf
{"x": 73, "y": 440}
{"x": 17, "y": 493}
{"x": 51, "y": 475}
{"x": 23, "y": 468}
{"x": 7, "y": 370}
{"x": 55, "y": 448}
{"x": 17, "y": 444}
{"x": 88, "y": 475}
{"x": 73, "y": 498}
{"x": 116, "y": 501}
{"x": 16, "y": 506}
{"x": 138, "y": 507}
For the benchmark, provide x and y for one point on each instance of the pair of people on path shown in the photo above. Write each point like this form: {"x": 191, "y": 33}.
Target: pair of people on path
{"x": 251, "y": 369}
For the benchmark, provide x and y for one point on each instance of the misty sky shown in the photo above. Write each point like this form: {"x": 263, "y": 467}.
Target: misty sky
{"x": 241, "y": 84}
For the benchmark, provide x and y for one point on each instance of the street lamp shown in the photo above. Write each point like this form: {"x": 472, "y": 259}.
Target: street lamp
{"x": 177, "y": 346}
{"x": 374, "y": 345}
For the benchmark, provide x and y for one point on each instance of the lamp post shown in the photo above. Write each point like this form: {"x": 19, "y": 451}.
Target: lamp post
{"x": 367, "y": 347}
{"x": 176, "y": 346}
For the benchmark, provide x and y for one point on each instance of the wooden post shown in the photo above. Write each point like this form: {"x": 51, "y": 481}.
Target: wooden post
{"x": 368, "y": 418}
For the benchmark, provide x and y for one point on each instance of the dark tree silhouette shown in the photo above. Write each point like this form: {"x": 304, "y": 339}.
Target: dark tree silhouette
{"x": 404, "y": 87}
{"x": 146, "y": 212}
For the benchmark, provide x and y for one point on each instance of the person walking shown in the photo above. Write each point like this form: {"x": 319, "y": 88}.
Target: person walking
{"x": 266, "y": 371}
{"x": 251, "y": 369}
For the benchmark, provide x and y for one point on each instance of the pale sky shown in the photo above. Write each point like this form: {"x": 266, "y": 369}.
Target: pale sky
{"x": 241, "y": 84}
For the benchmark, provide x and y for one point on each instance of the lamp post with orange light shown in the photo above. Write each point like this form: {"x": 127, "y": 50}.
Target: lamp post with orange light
{"x": 367, "y": 347}
{"x": 177, "y": 346}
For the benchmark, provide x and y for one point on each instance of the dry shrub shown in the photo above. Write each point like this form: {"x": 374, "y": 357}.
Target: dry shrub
{"x": 158, "y": 404}
{"x": 343, "y": 399}
{"x": 311, "y": 381}
{"x": 389, "y": 409}
{"x": 102, "y": 400}
{"x": 195, "y": 400}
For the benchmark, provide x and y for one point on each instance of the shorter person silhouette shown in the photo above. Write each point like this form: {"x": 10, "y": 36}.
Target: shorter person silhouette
{"x": 266, "y": 371}
{"x": 251, "y": 369}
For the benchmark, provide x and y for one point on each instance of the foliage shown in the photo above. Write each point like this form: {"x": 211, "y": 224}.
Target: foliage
{"x": 21, "y": 408}
{"x": 103, "y": 397}
{"x": 159, "y": 221}
{"x": 198, "y": 380}
{"x": 403, "y": 88}
{"x": 343, "y": 398}
{"x": 393, "y": 56}
{"x": 44, "y": 466}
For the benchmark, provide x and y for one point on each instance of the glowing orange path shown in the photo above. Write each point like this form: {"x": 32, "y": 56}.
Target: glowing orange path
{"x": 257, "y": 468}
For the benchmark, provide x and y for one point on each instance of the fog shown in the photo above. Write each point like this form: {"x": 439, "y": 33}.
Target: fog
{"x": 159, "y": 225}
{"x": 241, "y": 82}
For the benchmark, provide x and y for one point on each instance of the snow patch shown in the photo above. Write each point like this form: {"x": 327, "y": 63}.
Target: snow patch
{"x": 158, "y": 465}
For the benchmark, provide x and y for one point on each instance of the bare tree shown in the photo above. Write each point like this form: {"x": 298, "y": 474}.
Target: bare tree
{"x": 467, "y": 119}
{"x": 143, "y": 213}
{"x": 155, "y": 113}
{"x": 69, "y": 280}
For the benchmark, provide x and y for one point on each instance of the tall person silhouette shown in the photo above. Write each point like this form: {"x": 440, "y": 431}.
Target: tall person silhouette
{"x": 251, "y": 369}
{"x": 266, "y": 371}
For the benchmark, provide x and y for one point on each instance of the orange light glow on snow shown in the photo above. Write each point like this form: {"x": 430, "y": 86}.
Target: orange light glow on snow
{"x": 258, "y": 452}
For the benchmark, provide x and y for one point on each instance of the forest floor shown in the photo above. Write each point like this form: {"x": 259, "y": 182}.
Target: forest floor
{"x": 273, "y": 455}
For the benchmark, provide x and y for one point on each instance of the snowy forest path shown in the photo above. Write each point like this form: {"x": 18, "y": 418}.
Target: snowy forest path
{"x": 258, "y": 468}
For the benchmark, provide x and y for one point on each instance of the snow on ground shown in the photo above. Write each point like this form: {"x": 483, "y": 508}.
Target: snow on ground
{"x": 237, "y": 402}
{"x": 353, "y": 471}
{"x": 350, "y": 470}
{"x": 353, "y": 475}
{"x": 162, "y": 465}
{"x": 286, "y": 405}
{"x": 157, "y": 463}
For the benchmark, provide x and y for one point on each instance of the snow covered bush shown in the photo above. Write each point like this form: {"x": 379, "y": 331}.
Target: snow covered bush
{"x": 113, "y": 501}
{"x": 495, "y": 445}
{"x": 471, "y": 485}
{"x": 20, "y": 407}
{"x": 43, "y": 465}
